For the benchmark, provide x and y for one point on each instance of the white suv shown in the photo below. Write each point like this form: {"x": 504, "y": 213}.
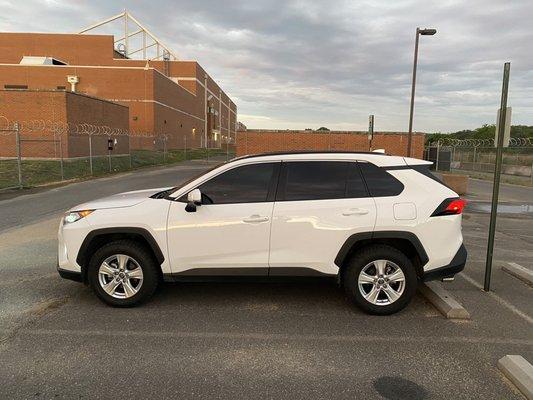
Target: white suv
{"x": 378, "y": 223}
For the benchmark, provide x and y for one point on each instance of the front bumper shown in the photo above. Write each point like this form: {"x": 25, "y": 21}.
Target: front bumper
{"x": 454, "y": 267}
{"x": 72, "y": 275}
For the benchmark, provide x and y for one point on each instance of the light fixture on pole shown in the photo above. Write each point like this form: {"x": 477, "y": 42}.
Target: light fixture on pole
{"x": 424, "y": 32}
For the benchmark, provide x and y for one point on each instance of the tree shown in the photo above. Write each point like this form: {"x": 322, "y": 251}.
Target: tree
{"x": 323, "y": 128}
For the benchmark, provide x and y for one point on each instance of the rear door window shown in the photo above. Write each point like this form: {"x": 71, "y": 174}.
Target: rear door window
{"x": 320, "y": 180}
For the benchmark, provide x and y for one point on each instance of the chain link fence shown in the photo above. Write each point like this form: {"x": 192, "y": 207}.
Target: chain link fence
{"x": 477, "y": 157}
{"x": 39, "y": 152}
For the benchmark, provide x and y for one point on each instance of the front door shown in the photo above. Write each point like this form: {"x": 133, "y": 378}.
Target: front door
{"x": 230, "y": 232}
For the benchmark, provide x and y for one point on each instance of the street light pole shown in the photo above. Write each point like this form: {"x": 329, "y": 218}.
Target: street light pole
{"x": 425, "y": 32}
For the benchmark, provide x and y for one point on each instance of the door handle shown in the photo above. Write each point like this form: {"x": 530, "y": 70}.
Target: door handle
{"x": 253, "y": 219}
{"x": 355, "y": 211}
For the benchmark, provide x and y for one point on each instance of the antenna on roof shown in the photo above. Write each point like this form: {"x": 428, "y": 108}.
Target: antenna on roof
{"x": 149, "y": 40}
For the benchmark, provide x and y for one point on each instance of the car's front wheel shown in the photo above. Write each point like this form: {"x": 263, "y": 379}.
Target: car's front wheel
{"x": 380, "y": 280}
{"x": 123, "y": 273}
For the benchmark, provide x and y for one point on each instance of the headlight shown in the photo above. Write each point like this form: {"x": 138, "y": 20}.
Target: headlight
{"x": 75, "y": 216}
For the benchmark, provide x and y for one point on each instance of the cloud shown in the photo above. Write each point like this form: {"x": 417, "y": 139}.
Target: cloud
{"x": 301, "y": 64}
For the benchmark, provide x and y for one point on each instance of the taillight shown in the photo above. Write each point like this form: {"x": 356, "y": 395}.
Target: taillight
{"x": 452, "y": 206}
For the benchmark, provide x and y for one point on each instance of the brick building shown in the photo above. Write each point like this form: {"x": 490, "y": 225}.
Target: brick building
{"x": 253, "y": 141}
{"x": 172, "y": 97}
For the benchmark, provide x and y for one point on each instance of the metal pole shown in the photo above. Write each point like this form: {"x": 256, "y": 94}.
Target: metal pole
{"x": 19, "y": 161}
{"x": 109, "y": 156}
{"x": 129, "y": 149}
{"x": 185, "y": 149}
{"x": 91, "y": 153}
{"x": 61, "y": 155}
{"x": 437, "y": 160}
{"x": 144, "y": 45}
{"x": 497, "y": 172}
{"x": 413, "y": 83}
{"x": 205, "y": 111}
{"x": 126, "y": 39}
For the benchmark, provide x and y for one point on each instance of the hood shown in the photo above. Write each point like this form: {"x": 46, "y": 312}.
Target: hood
{"x": 126, "y": 199}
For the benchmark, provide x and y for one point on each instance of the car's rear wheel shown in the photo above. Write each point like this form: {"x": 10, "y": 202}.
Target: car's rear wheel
{"x": 380, "y": 280}
{"x": 123, "y": 273}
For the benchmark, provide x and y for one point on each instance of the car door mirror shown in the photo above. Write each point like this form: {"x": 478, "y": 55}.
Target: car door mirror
{"x": 194, "y": 199}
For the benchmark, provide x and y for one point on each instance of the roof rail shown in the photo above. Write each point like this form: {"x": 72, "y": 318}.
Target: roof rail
{"x": 282, "y": 153}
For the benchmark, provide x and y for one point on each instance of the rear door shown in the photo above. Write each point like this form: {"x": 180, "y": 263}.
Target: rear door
{"x": 319, "y": 204}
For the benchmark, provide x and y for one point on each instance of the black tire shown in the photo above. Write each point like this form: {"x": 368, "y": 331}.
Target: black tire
{"x": 140, "y": 254}
{"x": 361, "y": 260}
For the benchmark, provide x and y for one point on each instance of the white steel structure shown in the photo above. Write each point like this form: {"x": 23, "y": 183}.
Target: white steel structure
{"x": 132, "y": 28}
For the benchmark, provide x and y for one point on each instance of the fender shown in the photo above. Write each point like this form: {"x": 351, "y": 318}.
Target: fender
{"x": 120, "y": 230}
{"x": 357, "y": 237}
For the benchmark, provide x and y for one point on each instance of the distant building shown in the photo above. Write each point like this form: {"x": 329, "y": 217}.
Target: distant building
{"x": 163, "y": 95}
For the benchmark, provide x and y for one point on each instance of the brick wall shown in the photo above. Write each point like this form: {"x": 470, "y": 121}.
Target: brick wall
{"x": 40, "y": 140}
{"x": 264, "y": 141}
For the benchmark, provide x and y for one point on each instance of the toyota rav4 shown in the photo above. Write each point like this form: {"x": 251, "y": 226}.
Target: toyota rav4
{"x": 378, "y": 223}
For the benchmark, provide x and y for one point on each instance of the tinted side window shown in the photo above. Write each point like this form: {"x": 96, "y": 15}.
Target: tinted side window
{"x": 424, "y": 170}
{"x": 246, "y": 184}
{"x": 355, "y": 186}
{"x": 320, "y": 180}
{"x": 380, "y": 183}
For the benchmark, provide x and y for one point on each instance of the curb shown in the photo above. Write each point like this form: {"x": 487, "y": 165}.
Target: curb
{"x": 443, "y": 301}
{"x": 519, "y": 371}
{"x": 519, "y": 272}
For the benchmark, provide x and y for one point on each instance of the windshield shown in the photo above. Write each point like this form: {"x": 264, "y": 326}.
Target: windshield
{"x": 168, "y": 192}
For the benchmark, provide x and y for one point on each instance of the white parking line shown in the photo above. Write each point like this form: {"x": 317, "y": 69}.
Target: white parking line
{"x": 501, "y": 301}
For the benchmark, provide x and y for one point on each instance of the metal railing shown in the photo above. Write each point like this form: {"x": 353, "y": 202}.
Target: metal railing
{"x": 479, "y": 155}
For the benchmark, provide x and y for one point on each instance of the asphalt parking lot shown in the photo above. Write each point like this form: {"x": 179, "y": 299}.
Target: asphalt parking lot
{"x": 295, "y": 338}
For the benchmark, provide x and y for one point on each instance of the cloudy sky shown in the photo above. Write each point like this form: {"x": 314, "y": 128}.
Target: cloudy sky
{"x": 303, "y": 64}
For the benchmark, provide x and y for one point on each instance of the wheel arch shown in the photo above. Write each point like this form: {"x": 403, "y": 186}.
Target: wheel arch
{"x": 98, "y": 237}
{"x": 407, "y": 242}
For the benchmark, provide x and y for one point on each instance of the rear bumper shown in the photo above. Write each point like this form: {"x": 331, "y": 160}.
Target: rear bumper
{"x": 72, "y": 275}
{"x": 454, "y": 267}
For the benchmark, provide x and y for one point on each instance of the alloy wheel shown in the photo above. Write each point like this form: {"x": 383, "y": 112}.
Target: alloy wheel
{"x": 381, "y": 282}
{"x": 120, "y": 276}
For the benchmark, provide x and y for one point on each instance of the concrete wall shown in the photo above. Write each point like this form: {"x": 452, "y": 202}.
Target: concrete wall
{"x": 264, "y": 141}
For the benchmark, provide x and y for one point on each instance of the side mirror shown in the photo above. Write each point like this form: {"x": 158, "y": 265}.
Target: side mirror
{"x": 194, "y": 199}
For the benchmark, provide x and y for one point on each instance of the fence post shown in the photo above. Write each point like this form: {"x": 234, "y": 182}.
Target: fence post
{"x": 437, "y": 160}
{"x": 109, "y": 154}
{"x": 185, "y": 148}
{"x": 474, "y": 159}
{"x": 91, "y": 153}
{"x": 19, "y": 161}
{"x": 61, "y": 156}
{"x": 164, "y": 150}
{"x": 129, "y": 150}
